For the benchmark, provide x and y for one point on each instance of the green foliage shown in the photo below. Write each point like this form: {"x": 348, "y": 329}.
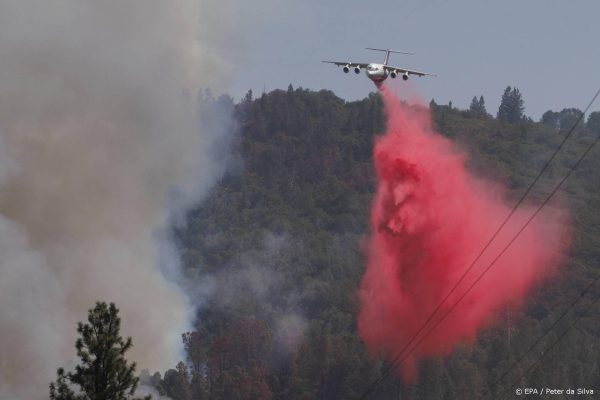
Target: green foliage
{"x": 292, "y": 214}
{"x": 477, "y": 107}
{"x": 550, "y": 118}
{"x": 564, "y": 120}
{"x": 104, "y": 373}
{"x": 176, "y": 383}
{"x": 593, "y": 122}
{"x": 511, "y": 106}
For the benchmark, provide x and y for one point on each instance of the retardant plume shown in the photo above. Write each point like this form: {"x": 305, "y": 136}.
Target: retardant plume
{"x": 430, "y": 219}
{"x": 98, "y": 146}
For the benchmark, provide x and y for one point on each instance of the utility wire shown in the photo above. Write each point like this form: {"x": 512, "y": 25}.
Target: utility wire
{"x": 548, "y": 349}
{"x": 399, "y": 358}
{"x": 539, "y": 339}
{"x": 537, "y": 211}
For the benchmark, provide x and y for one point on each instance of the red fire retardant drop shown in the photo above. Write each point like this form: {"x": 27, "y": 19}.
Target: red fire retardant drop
{"x": 430, "y": 219}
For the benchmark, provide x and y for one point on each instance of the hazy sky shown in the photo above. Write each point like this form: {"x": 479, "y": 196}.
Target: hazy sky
{"x": 548, "y": 49}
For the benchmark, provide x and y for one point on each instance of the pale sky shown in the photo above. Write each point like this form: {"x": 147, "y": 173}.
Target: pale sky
{"x": 548, "y": 49}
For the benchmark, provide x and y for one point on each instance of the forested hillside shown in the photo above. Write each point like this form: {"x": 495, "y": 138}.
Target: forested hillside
{"x": 275, "y": 255}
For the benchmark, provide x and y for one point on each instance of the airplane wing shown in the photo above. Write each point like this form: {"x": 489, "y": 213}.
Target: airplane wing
{"x": 389, "y": 68}
{"x": 349, "y": 64}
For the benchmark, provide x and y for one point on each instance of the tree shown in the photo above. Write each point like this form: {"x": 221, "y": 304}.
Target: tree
{"x": 474, "y": 105}
{"x": 194, "y": 344}
{"x": 511, "y": 106}
{"x": 238, "y": 362}
{"x": 563, "y": 120}
{"x": 550, "y": 118}
{"x": 593, "y": 122}
{"x": 104, "y": 373}
{"x": 503, "y": 110}
{"x": 248, "y": 97}
{"x": 568, "y": 117}
{"x": 477, "y": 106}
{"x": 176, "y": 383}
{"x": 307, "y": 175}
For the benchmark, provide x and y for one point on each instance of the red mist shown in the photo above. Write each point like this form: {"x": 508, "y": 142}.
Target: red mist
{"x": 430, "y": 218}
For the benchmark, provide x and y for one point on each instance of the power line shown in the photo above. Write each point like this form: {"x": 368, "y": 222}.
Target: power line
{"x": 399, "y": 358}
{"x": 537, "y": 211}
{"x": 549, "y": 348}
{"x": 539, "y": 339}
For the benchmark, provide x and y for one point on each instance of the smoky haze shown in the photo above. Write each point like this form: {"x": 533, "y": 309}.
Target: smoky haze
{"x": 98, "y": 146}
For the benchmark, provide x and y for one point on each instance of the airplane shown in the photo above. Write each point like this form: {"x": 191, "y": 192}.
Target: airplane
{"x": 379, "y": 72}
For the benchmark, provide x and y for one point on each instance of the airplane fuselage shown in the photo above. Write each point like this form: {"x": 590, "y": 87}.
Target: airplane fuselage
{"x": 376, "y": 73}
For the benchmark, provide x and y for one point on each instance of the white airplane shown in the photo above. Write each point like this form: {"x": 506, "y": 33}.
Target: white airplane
{"x": 379, "y": 72}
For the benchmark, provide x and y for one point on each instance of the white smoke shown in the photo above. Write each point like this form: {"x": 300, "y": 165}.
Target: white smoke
{"x": 259, "y": 282}
{"x": 98, "y": 145}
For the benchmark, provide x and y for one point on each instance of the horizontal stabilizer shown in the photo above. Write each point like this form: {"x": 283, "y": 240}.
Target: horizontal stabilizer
{"x": 391, "y": 51}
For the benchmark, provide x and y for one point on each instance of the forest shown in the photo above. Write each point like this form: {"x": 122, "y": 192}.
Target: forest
{"x": 274, "y": 255}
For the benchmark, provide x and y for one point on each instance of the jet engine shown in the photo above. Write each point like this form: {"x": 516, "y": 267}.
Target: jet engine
{"x": 393, "y": 74}
{"x": 346, "y": 69}
{"x": 405, "y": 76}
{"x": 357, "y": 70}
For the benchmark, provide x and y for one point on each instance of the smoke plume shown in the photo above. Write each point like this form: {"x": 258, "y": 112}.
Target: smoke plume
{"x": 99, "y": 144}
{"x": 430, "y": 219}
{"x": 259, "y": 281}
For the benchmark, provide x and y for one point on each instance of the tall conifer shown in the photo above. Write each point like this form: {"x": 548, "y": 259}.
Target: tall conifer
{"x": 104, "y": 373}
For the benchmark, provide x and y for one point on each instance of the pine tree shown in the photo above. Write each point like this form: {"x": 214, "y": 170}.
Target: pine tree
{"x": 432, "y": 104}
{"x": 474, "y": 107}
{"x": 511, "y": 106}
{"x": 482, "y": 108}
{"x": 104, "y": 373}
{"x": 477, "y": 106}
{"x": 248, "y": 97}
{"x": 504, "y": 109}
{"x": 518, "y": 106}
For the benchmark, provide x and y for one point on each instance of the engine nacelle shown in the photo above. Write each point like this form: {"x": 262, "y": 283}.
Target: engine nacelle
{"x": 393, "y": 74}
{"x": 346, "y": 69}
{"x": 405, "y": 76}
{"x": 357, "y": 70}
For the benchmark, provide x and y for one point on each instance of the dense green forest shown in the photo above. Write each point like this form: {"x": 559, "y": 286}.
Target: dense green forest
{"x": 274, "y": 255}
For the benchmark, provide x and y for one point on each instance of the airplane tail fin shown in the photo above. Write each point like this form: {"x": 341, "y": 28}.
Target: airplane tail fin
{"x": 387, "y": 53}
